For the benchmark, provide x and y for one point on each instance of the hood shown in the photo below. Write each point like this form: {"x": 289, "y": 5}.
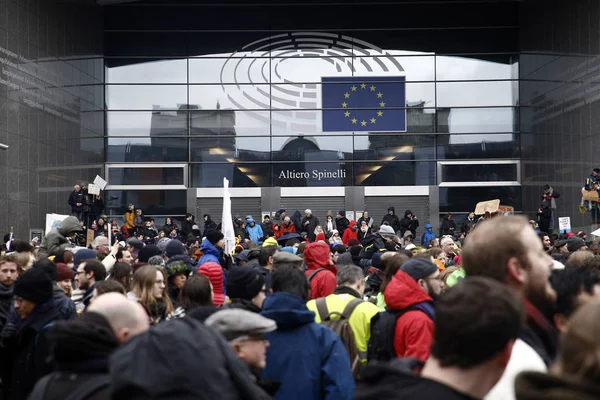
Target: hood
{"x": 250, "y": 220}
{"x": 352, "y": 223}
{"x": 407, "y": 212}
{"x": 297, "y": 215}
{"x": 287, "y": 310}
{"x": 208, "y": 248}
{"x": 428, "y": 226}
{"x": 69, "y": 226}
{"x": 407, "y": 234}
{"x": 403, "y": 291}
{"x": 316, "y": 255}
{"x": 329, "y": 214}
{"x": 270, "y": 242}
{"x": 392, "y": 209}
{"x": 320, "y": 236}
{"x": 537, "y": 385}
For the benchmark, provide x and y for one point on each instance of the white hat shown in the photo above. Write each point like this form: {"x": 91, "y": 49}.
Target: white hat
{"x": 386, "y": 231}
{"x": 410, "y": 247}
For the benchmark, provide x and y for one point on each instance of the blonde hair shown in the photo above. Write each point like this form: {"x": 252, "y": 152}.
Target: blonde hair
{"x": 22, "y": 259}
{"x": 143, "y": 286}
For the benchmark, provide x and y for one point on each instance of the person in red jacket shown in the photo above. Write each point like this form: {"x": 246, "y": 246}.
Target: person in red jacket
{"x": 287, "y": 227}
{"x": 350, "y": 233}
{"x": 416, "y": 285}
{"x": 320, "y": 271}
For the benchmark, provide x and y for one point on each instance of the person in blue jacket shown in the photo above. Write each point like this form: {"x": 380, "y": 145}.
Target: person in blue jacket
{"x": 428, "y": 236}
{"x": 255, "y": 232}
{"x": 308, "y": 359}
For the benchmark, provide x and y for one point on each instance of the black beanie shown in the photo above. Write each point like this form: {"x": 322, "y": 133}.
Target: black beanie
{"x": 34, "y": 285}
{"x": 419, "y": 268}
{"x": 214, "y": 236}
{"x": 148, "y": 251}
{"x": 244, "y": 283}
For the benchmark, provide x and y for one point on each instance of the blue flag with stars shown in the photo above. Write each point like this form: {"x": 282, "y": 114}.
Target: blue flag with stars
{"x": 364, "y": 104}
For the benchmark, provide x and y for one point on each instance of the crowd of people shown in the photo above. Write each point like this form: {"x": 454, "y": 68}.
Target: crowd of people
{"x": 303, "y": 309}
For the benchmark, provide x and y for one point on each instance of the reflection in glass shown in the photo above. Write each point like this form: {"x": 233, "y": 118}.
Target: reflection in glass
{"x": 144, "y": 71}
{"x": 244, "y": 68}
{"x": 312, "y": 148}
{"x": 147, "y": 123}
{"x": 478, "y": 146}
{"x": 145, "y": 97}
{"x": 394, "y": 147}
{"x": 145, "y": 176}
{"x": 479, "y": 173}
{"x": 230, "y": 149}
{"x": 155, "y": 149}
{"x": 464, "y": 199}
{"x": 480, "y": 120}
{"x": 476, "y": 94}
{"x": 234, "y": 97}
{"x": 238, "y": 174}
{"x": 459, "y": 68}
{"x": 152, "y": 202}
{"x": 394, "y": 173}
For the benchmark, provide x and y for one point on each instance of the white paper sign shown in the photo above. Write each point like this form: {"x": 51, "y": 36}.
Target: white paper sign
{"x": 564, "y": 224}
{"x": 93, "y": 189}
{"x": 53, "y": 221}
{"x": 350, "y": 215}
{"x": 101, "y": 183}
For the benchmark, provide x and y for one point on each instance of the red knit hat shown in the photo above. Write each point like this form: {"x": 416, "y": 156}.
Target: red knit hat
{"x": 64, "y": 272}
{"x": 214, "y": 273}
{"x": 320, "y": 236}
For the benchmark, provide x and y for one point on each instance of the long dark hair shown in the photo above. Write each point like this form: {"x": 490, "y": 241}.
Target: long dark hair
{"x": 391, "y": 265}
{"x": 121, "y": 273}
{"x": 196, "y": 293}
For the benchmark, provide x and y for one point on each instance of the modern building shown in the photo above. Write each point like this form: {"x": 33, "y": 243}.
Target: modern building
{"x": 165, "y": 98}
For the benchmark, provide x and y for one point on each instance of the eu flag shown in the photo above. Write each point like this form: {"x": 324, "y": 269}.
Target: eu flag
{"x": 365, "y": 104}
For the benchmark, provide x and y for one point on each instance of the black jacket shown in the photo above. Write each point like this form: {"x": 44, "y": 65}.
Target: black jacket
{"x": 267, "y": 228}
{"x": 448, "y": 227}
{"x": 392, "y": 219}
{"x": 96, "y": 206}
{"x": 186, "y": 227}
{"x": 309, "y": 228}
{"x": 209, "y": 225}
{"x": 74, "y": 198}
{"x": 468, "y": 225}
{"x": 24, "y": 353}
{"x": 408, "y": 224}
{"x": 341, "y": 224}
{"x": 6, "y": 296}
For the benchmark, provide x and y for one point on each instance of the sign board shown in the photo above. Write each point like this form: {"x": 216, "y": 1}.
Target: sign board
{"x": 53, "y": 221}
{"x": 490, "y": 206}
{"x": 506, "y": 210}
{"x": 564, "y": 224}
{"x": 90, "y": 238}
{"x": 350, "y": 215}
{"x": 36, "y": 233}
{"x": 596, "y": 232}
{"x": 93, "y": 189}
{"x": 590, "y": 195}
{"x": 98, "y": 181}
{"x": 359, "y": 214}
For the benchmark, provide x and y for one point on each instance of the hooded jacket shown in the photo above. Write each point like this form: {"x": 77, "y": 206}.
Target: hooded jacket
{"x": 209, "y": 225}
{"x": 267, "y": 228}
{"x": 404, "y": 241}
{"x": 130, "y": 219}
{"x": 392, "y": 219}
{"x": 448, "y": 227}
{"x": 56, "y": 242}
{"x": 350, "y": 233}
{"x": 428, "y": 236}
{"x": 341, "y": 223}
{"x": 407, "y": 224}
{"x": 326, "y": 228}
{"x": 323, "y": 283}
{"x": 309, "y": 228}
{"x": 541, "y": 386}
{"x": 413, "y": 335}
{"x": 255, "y": 233}
{"x": 238, "y": 230}
{"x": 308, "y": 359}
{"x": 218, "y": 373}
{"x": 210, "y": 253}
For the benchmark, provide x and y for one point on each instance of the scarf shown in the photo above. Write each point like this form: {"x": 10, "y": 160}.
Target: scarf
{"x": 329, "y": 225}
{"x": 539, "y": 333}
{"x": 39, "y": 309}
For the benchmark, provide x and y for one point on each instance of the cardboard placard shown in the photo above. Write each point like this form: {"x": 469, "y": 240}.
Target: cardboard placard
{"x": 90, "y": 238}
{"x": 590, "y": 195}
{"x": 98, "y": 181}
{"x": 93, "y": 189}
{"x": 490, "y": 206}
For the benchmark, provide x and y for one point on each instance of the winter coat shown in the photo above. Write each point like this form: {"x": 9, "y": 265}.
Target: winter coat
{"x": 209, "y": 225}
{"x": 553, "y": 195}
{"x": 308, "y": 359}
{"x": 167, "y": 228}
{"x": 327, "y": 229}
{"x": 186, "y": 227}
{"x": 277, "y": 220}
{"x": 96, "y": 206}
{"x": 468, "y": 225}
{"x": 239, "y": 231}
{"x": 413, "y": 335}
{"x": 56, "y": 242}
{"x": 407, "y": 224}
{"x": 74, "y": 198}
{"x": 341, "y": 223}
{"x": 6, "y": 300}
{"x": 63, "y": 303}
{"x": 255, "y": 233}
{"x": 316, "y": 255}
{"x": 130, "y": 219}
{"x": 405, "y": 241}
{"x": 350, "y": 233}
{"x": 138, "y": 220}
{"x": 541, "y": 386}
{"x": 448, "y": 227}
{"x": 267, "y": 229}
{"x": 297, "y": 221}
{"x": 369, "y": 221}
{"x": 24, "y": 353}
{"x": 286, "y": 228}
{"x": 210, "y": 253}
{"x": 392, "y": 219}
{"x": 309, "y": 228}
{"x": 428, "y": 236}
{"x": 333, "y": 240}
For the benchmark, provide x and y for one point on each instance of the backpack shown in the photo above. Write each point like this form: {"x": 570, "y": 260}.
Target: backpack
{"x": 316, "y": 271}
{"x": 383, "y": 327}
{"x": 342, "y": 328}
{"x": 82, "y": 392}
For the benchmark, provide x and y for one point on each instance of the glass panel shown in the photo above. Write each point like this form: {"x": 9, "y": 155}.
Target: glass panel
{"x": 311, "y": 148}
{"x": 146, "y": 97}
{"x": 394, "y": 147}
{"x": 154, "y": 149}
{"x": 476, "y": 94}
{"x": 239, "y": 175}
{"x": 478, "y": 120}
{"x": 92, "y": 123}
{"x": 145, "y": 176}
{"x": 479, "y": 173}
{"x": 451, "y": 68}
{"x": 303, "y": 174}
{"x": 394, "y": 173}
{"x": 229, "y": 123}
{"x": 243, "y": 68}
{"x": 152, "y": 202}
{"x": 478, "y": 146}
{"x": 147, "y": 123}
{"x": 230, "y": 97}
{"x": 464, "y": 199}
{"x": 415, "y": 68}
{"x": 149, "y": 71}
{"x": 230, "y": 149}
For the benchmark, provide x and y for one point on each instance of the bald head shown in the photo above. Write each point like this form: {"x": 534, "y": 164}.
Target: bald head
{"x": 127, "y": 318}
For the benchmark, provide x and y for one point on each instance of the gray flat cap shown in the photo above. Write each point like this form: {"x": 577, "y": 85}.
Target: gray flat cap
{"x": 285, "y": 257}
{"x": 234, "y": 323}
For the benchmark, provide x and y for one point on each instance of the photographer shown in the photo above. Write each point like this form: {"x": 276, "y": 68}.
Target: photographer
{"x": 409, "y": 223}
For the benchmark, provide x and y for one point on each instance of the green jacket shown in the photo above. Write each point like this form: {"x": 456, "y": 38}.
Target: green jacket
{"x": 455, "y": 277}
{"x": 56, "y": 241}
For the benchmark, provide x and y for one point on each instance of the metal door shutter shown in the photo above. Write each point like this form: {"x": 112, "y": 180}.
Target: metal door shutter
{"x": 419, "y": 205}
{"x": 240, "y": 206}
{"x": 318, "y": 205}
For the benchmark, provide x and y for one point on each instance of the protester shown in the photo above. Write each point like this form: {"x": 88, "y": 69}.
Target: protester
{"x": 286, "y": 227}
{"x": 63, "y": 303}
{"x": 365, "y": 217}
{"x": 209, "y": 224}
{"x": 60, "y": 239}
{"x": 187, "y": 226}
{"x": 196, "y": 293}
{"x": 409, "y": 223}
{"x": 309, "y": 223}
{"x": 468, "y": 223}
{"x": 575, "y": 287}
{"x": 246, "y": 289}
{"x": 177, "y": 272}
{"x": 341, "y": 222}
{"x": 107, "y": 286}
{"x": 351, "y": 232}
{"x": 149, "y": 288}
{"x": 265, "y": 263}
{"x": 391, "y": 219}
{"x": 285, "y": 258}
{"x": 122, "y": 273}
{"x": 8, "y": 277}
{"x": 214, "y": 273}
{"x": 308, "y": 359}
{"x": 212, "y": 248}
{"x": 549, "y": 195}
{"x": 520, "y": 263}
{"x": 448, "y": 226}
{"x": 89, "y": 273}
{"x": 320, "y": 272}
{"x": 390, "y": 265}
{"x": 428, "y": 236}
{"x": 465, "y": 363}
{"x": 254, "y": 231}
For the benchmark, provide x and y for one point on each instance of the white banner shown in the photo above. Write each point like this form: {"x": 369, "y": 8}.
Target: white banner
{"x": 98, "y": 181}
{"x": 226, "y": 220}
{"x": 93, "y": 189}
{"x": 53, "y": 221}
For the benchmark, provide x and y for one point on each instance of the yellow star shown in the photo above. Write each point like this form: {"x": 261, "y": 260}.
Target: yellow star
{"x": 344, "y": 104}
{"x": 353, "y": 88}
{"x": 379, "y": 95}
{"x": 373, "y": 120}
{"x": 382, "y": 104}
{"x": 380, "y": 113}
{"x": 347, "y": 95}
{"x": 354, "y": 120}
{"x": 363, "y": 123}
{"x": 347, "y": 113}
{"x": 363, "y": 85}
{"x": 372, "y": 88}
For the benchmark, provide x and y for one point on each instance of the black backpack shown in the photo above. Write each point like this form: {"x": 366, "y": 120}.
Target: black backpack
{"x": 82, "y": 392}
{"x": 383, "y": 327}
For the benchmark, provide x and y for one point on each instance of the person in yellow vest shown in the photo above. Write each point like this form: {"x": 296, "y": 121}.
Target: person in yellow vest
{"x": 351, "y": 285}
